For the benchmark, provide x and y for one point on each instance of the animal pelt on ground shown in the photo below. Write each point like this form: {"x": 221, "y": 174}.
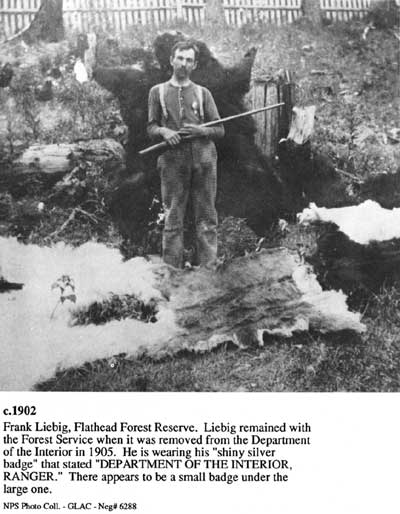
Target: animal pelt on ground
{"x": 356, "y": 269}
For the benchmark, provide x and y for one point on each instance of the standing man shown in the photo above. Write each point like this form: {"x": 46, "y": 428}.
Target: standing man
{"x": 177, "y": 108}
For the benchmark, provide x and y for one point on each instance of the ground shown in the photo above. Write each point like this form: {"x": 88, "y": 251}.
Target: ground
{"x": 353, "y": 83}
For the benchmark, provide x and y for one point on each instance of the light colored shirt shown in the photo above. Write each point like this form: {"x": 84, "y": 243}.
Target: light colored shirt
{"x": 182, "y": 105}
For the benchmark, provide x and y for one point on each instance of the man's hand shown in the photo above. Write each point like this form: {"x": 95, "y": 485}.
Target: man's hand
{"x": 193, "y": 130}
{"x": 171, "y": 136}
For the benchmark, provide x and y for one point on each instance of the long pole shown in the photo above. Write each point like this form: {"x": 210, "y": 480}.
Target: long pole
{"x": 163, "y": 144}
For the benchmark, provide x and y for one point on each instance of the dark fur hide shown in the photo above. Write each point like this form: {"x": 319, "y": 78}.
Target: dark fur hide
{"x": 247, "y": 185}
{"x": 359, "y": 270}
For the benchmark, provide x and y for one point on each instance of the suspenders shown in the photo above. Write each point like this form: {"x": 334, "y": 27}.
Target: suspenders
{"x": 199, "y": 94}
{"x": 199, "y": 91}
{"x": 162, "y": 100}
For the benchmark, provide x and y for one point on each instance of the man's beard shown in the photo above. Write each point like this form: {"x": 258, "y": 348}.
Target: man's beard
{"x": 182, "y": 73}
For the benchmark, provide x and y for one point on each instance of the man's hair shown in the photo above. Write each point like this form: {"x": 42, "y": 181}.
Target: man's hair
{"x": 185, "y": 45}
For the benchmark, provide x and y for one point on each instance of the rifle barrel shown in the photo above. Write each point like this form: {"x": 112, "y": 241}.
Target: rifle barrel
{"x": 163, "y": 144}
{"x": 241, "y": 115}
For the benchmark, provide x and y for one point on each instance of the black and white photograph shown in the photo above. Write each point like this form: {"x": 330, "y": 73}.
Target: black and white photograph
{"x": 199, "y": 256}
{"x": 199, "y": 196}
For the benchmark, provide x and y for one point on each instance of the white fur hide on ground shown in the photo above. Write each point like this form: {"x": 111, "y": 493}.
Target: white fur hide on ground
{"x": 34, "y": 344}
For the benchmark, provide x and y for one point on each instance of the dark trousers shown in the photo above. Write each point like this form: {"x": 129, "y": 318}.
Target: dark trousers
{"x": 189, "y": 171}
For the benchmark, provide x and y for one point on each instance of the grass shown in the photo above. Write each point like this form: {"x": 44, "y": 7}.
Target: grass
{"x": 311, "y": 362}
{"x": 354, "y": 91}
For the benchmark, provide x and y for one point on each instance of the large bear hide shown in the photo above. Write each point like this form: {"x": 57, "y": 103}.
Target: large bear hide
{"x": 247, "y": 186}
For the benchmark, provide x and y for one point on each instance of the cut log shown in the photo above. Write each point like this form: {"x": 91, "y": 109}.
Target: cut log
{"x": 61, "y": 158}
{"x": 46, "y": 159}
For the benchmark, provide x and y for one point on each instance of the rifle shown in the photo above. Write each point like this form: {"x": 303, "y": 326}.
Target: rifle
{"x": 164, "y": 144}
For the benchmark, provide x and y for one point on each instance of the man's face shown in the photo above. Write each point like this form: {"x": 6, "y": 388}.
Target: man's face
{"x": 183, "y": 63}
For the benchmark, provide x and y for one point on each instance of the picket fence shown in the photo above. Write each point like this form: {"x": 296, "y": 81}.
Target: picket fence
{"x": 16, "y": 15}
{"x": 344, "y": 10}
{"x": 117, "y": 15}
